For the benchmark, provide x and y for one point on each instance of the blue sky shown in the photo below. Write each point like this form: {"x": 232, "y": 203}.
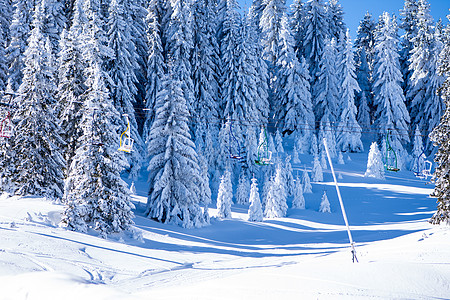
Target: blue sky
{"x": 356, "y": 9}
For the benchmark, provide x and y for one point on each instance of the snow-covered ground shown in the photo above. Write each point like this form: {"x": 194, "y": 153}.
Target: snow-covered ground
{"x": 303, "y": 256}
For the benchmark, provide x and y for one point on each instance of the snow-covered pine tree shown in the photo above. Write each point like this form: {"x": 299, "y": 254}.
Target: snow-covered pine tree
{"x": 440, "y": 137}
{"x": 375, "y": 165}
{"x": 316, "y": 33}
{"x": 271, "y": 29}
{"x": 122, "y": 67}
{"x": 363, "y": 116}
{"x": 70, "y": 91}
{"x": 341, "y": 158}
{"x": 408, "y": 23}
{"x": 225, "y": 196}
{"x": 298, "y": 23}
{"x": 279, "y": 142}
{"x": 295, "y": 158}
{"x": 205, "y": 67}
{"x": 426, "y": 106}
{"x": 299, "y": 200}
{"x": 205, "y": 196}
{"x": 325, "y": 204}
{"x": 317, "y": 173}
{"x": 416, "y": 151}
{"x": 175, "y": 180}
{"x": 276, "y": 205}
{"x": 306, "y": 182}
{"x": 348, "y": 133}
{"x": 243, "y": 189}
{"x": 391, "y": 114}
{"x": 336, "y": 25}
{"x": 6, "y": 11}
{"x": 255, "y": 213}
{"x": 19, "y": 32}
{"x": 364, "y": 60}
{"x": 155, "y": 61}
{"x": 95, "y": 195}
{"x": 33, "y": 163}
{"x": 325, "y": 131}
{"x": 323, "y": 160}
{"x": 289, "y": 176}
{"x": 3, "y": 62}
{"x": 54, "y": 21}
{"x": 179, "y": 42}
{"x": 325, "y": 90}
{"x": 293, "y": 98}
{"x": 314, "y": 146}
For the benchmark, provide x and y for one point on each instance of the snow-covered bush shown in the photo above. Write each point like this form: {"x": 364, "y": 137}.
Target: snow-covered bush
{"x": 375, "y": 165}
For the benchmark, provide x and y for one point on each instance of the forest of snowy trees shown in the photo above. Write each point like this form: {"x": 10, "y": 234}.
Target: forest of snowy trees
{"x": 205, "y": 90}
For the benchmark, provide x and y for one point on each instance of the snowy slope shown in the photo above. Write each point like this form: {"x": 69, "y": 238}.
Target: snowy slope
{"x": 302, "y": 256}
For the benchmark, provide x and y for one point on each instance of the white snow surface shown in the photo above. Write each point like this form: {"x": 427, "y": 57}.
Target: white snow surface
{"x": 305, "y": 255}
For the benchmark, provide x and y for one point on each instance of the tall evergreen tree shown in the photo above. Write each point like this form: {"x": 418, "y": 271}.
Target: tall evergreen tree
{"x": 225, "y": 196}
{"x": 155, "y": 61}
{"x": 348, "y": 133}
{"x": 276, "y": 206}
{"x": 337, "y": 28}
{"x": 409, "y": 21}
{"x": 391, "y": 114}
{"x": 294, "y": 107}
{"x": 326, "y": 89}
{"x": 121, "y": 67}
{"x": 71, "y": 88}
{"x": 439, "y": 136}
{"x": 19, "y": 32}
{"x": 255, "y": 213}
{"x": 33, "y": 164}
{"x": 298, "y": 15}
{"x": 316, "y": 34}
{"x": 54, "y": 21}
{"x": 174, "y": 195}
{"x": 426, "y": 106}
{"x": 95, "y": 195}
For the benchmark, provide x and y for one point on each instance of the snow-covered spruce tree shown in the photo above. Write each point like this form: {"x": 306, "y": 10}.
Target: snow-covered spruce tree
{"x": 317, "y": 173}
{"x": 336, "y": 25}
{"x": 54, "y": 21}
{"x": 293, "y": 98}
{"x": 255, "y": 213}
{"x": 205, "y": 60}
{"x": 416, "y": 151}
{"x": 175, "y": 181}
{"x": 178, "y": 36}
{"x": 439, "y": 136}
{"x": 288, "y": 176}
{"x": 205, "y": 196}
{"x": 155, "y": 61}
{"x": 316, "y": 33}
{"x": 122, "y": 67}
{"x": 408, "y": 23}
{"x": 225, "y": 196}
{"x": 33, "y": 163}
{"x": 323, "y": 160}
{"x": 276, "y": 206}
{"x": 70, "y": 91}
{"x": 364, "y": 61}
{"x": 327, "y": 132}
{"x": 391, "y": 114}
{"x": 348, "y": 133}
{"x": 279, "y": 142}
{"x": 271, "y": 28}
{"x": 19, "y": 32}
{"x": 3, "y": 62}
{"x": 298, "y": 23}
{"x": 426, "y": 105}
{"x": 295, "y": 158}
{"x": 243, "y": 189}
{"x": 306, "y": 182}
{"x": 325, "y": 204}
{"x": 6, "y": 11}
{"x": 363, "y": 116}
{"x": 325, "y": 90}
{"x": 95, "y": 195}
{"x": 314, "y": 145}
{"x": 299, "y": 200}
{"x": 341, "y": 158}
{"x": 375, "y": 165}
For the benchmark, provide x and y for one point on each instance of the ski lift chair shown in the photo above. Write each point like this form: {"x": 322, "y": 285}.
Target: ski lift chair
{"x": 126, "y": 142}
